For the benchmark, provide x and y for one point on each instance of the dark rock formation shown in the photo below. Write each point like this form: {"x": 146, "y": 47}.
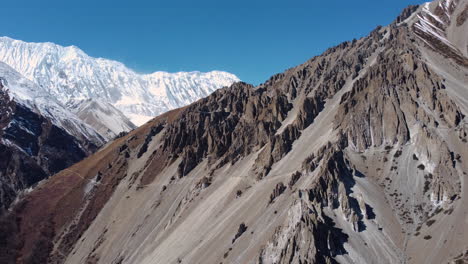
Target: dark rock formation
{"x": 240, "y": 231}
{"x": 32, "y": 148}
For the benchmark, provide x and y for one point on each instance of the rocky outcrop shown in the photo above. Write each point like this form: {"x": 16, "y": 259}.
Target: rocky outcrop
{"x": 309, "y": 236}
{"x": 406, "y": 13}
{"x": 279, "y": 189}
{"x": 240, "y": 231}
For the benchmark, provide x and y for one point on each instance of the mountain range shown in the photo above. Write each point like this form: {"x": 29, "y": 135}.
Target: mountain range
{"x": 60, "y": 105}
{"x": 71, "y": 76}
{"x": 358, "y": 155}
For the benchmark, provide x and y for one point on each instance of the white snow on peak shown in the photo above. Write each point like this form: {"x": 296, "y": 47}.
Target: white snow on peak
{"x": 37, "y": 99}
{"x": 68, "y": 73}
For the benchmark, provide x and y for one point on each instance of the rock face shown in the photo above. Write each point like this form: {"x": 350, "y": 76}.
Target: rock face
{"x": 356, "y": 156}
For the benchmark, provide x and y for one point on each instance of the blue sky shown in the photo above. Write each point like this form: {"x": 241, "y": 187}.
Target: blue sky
{"x": 252, "y": 39}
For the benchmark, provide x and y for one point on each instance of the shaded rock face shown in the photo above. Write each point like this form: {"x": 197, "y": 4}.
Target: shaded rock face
{"x": 32, "y": 148}
{"x": 309, "y": 236}
{"x": 356, "y": 156}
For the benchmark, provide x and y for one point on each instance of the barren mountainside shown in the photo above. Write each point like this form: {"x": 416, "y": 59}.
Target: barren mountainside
{"x": 358, "y": 155}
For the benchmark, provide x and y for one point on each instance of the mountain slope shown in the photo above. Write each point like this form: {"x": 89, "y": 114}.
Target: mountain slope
{"x": 104, "y": 117}
{"x": 69, "y": 74}
{"x": 356, "y": 156}
{"x": 38, "y": 136}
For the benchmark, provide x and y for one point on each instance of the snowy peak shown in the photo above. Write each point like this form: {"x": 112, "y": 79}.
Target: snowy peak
{"x": 34, "y": 97}
{"x": 182, "y": 87}
{"x": 28, "y": 57}
{"x": 68, "y": 73}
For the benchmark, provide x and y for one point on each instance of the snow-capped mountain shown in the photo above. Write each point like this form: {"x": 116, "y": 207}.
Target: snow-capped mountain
{"x": 104, "y": 117}
{"x": 68, "y": 73}
{"x": 37, "y": 99}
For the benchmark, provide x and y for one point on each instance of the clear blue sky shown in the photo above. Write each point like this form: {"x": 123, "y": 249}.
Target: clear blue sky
{"x": 252, "y": 39}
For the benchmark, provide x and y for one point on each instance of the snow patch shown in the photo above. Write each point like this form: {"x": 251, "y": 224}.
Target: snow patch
{"x": 436, "y": 201}
{"x": 429, "y": 165}
{"x": 90, "y": 185}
